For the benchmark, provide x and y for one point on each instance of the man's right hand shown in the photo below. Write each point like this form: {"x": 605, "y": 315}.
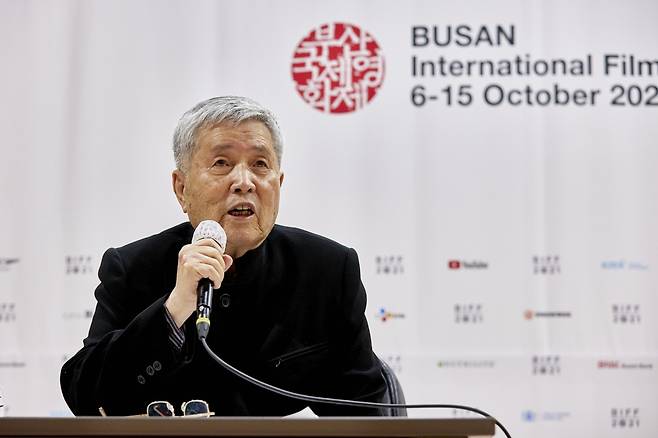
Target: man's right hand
{"x": 202, "y": 259}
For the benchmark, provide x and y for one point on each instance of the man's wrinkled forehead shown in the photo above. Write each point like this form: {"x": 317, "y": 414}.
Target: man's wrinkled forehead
{"x": 260, "y": 147}
{"x": 227, "y": 136}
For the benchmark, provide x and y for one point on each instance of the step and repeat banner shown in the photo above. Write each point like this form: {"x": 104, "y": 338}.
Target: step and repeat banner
{"x": 493, "y": 164}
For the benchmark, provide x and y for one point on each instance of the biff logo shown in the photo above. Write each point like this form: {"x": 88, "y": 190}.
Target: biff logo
{"x": 338, "y": 68}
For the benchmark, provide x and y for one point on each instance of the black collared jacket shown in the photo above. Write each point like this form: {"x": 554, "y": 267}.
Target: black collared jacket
{"x": 290, "y": 313}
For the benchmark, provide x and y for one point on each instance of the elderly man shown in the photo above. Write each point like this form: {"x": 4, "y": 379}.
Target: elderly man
{"x": 289, "y": 306}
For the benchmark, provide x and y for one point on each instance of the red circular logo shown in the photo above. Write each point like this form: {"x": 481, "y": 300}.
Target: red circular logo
{"x": 338, "y": 68}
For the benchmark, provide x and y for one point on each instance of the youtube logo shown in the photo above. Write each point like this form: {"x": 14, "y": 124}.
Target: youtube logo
{"x": 467, "y": 264}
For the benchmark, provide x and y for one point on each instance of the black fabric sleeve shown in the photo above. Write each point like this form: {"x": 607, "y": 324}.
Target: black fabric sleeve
{"x": 176, "y": 334}
{"x": 127, "y": 357}
{"x": 356, "y": 373}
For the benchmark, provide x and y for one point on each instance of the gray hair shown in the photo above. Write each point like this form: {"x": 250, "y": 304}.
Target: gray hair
{"x": 232, "y": 109}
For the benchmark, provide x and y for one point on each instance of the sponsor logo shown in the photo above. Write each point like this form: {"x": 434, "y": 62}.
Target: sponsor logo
{"x": 467, "y": 264}
{"x": 626, "y": 314}
{"x": 466, "y": 363}
{"x": 6, "y": 263}
{"x": 389, "y": 265}
{"x": 545, "y": 265}
{"x": 384, "y": 315}
{"x": 11, "y": 364}
{"x": 78, "y": 264}
{"x": 625, "y": 418}
{"x": 623, "y": 265}
{"x": 530, "y": 416}
{"x": 85, "y": 314}
{"x": 468, "y": 313}
{"x": 618, "y": 365}
{"x": 548, "y": 365}
{"x": 531, "y": 314}
{"x": 7, "y": 312}
{"x": 338, "y": 68}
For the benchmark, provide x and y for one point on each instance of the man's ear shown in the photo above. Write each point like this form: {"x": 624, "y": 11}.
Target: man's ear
{"x": 281, "y": 179}
{"x": 178, "y": 183}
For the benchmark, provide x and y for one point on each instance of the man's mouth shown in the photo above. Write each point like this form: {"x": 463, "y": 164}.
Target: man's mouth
{"x": 241, "y": 211}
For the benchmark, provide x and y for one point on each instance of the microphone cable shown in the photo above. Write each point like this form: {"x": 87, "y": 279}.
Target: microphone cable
{"x": 337, "y": 401}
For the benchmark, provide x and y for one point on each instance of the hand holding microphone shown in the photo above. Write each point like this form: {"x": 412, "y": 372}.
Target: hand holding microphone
{"x": 201, "y": 266}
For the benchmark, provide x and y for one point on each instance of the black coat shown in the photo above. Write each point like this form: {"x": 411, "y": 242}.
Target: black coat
{"x": 292, "y": 316}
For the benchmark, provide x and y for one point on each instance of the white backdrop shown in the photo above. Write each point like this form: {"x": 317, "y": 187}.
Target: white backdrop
{"x": 509, "y": 251}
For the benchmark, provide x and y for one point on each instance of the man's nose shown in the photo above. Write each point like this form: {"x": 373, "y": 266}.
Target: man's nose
{"x": 242, "y": 179}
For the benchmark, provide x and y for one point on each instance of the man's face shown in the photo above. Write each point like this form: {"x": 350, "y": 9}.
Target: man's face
{"x": 233, "y": 177}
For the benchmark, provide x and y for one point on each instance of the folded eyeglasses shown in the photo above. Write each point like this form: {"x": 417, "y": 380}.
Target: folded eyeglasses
{"x": 192, "y": 408}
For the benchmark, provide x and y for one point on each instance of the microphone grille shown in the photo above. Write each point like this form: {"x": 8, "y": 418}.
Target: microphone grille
{"x": 210, "y": 229}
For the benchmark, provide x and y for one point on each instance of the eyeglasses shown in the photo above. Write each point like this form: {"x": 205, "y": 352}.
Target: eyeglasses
{"x": 195, "y": 407}
{"x": 192, "y": 408}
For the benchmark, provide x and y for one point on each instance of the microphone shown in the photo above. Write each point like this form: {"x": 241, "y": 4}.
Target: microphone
{"x": 207, "y": 229}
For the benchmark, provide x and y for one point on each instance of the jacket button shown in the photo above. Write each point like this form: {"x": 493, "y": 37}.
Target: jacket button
{"x": 157, "y": 366}
{"x": 141, "y": 379}
{"x": 149, "y": 370}
{"x": 225, "y": 300}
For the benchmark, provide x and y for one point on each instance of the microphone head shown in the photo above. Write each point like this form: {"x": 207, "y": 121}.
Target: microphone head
{"x": 210, "y": 229}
